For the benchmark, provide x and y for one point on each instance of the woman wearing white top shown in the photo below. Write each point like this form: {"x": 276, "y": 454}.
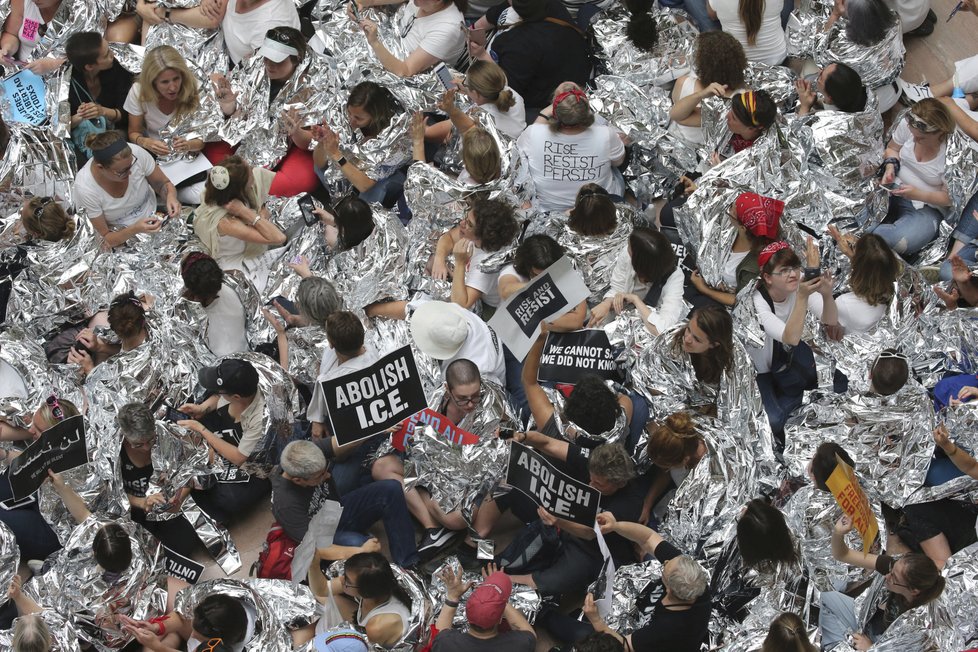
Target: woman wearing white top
{"x": 646, "y": 273}
{"x": 874, "y": 270}
{"x": 118, "y": 189}
{"x": 756, "y": 24}
{"x": 913, "y": 173}
{"x": 430, "y": 31}
{"x": 485, "y": 84}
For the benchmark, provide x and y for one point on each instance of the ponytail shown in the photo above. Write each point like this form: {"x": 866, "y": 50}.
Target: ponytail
{"x": 505, "y": 101}
{"x": 751, "y": 13}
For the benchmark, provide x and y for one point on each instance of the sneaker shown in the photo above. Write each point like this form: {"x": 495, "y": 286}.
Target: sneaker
{"x": 931, "y": 17}
{"x": 468, "y": 558}
{"x": 36, "y": 565}
{"x": 433, "y": 539}
{"x": 926, "y": 29}
{"x": 913, "y": 93}
{"x": 931, "y": 273}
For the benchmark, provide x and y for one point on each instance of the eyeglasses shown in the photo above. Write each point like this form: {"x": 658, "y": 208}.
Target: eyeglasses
{"x": 146, "y": 444}
{"x": 55, "y": 407}
{"x": 919, "y": 124}
{"x": 40, "y": 208}
{"x": 122, "y": 174}
{"x": 211, "y": 645}
{"x": 462, "y": 401}
{"x": 347, "y": 585}
{"x": 787, "y": 271}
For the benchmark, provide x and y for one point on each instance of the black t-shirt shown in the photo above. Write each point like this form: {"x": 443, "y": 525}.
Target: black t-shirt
{"x": 672, "y": 629}
{"x": 454, "y": 640}
{"x": 294, "y": 506}
{"x": 538, "y": 56}
{"x": 116, "y": 82}
{"x": 890, "y": 608}
{"x": 135, "y": 479}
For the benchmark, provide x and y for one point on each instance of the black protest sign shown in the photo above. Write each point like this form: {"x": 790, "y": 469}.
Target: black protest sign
{"x": 181, "y": 567}
{"x": 567, "y": 357}
{"x": 556, "y": 492}
{"x": 371, "y": 400}
{"x": 547, "y": 296}
{"x": 59, "y": 448}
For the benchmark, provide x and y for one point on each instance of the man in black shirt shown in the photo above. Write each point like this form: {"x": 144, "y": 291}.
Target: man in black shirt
{"x": 301, "y": 484}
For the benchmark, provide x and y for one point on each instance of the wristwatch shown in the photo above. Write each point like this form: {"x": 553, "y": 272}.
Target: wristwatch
{"x": 166, "y": 15}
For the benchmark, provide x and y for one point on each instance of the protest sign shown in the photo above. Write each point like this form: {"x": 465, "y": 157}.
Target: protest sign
{"x": 557, "y": 290}
{"x": 569, "y": 356}
{"x": 439, "y": 422}
{"x": 371, "y": 400}
{"x": 23, "y": 98}
{"x": 59, "y": 448}
{"x": 844, "y": 485}
{"x": 556, "y": 492}
{"x": 181, "y": 567}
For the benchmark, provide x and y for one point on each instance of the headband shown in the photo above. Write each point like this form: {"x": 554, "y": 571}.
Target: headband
{"x": 579, "y": 94}
{"x": 193, "y": 257}
{"x": 749, "y": 102}
{"x": 107, "y": 153}
{"x": 768, "y": 252}
{"x": 759, "y": 214}
{"x": 129, "y": 298}
{"x": 219, "y": 177}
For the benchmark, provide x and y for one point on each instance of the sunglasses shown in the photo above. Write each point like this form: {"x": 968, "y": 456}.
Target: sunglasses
{"x": 40, "y": 208}
{"x": 919, "y": 124}
{"x": 56, "y": 411}
{"x": 210, "y": 645}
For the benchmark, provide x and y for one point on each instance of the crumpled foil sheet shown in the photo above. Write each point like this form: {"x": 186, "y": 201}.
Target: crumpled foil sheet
{"x": 280, "y": 605}
{"x": 422, "y": 609}
{"x": 457, "y": 476}
{"x": 75, "y": 587}
{"x": 524, "y": 599}
{"x": 877, "y": 65}
{"x": 65, "y": 638}
{"x": 583, "y": 438}
{"x": 671, "y": 58}
{"x": 636, "y": 588}
{"x": 71, "y": 17}
{"x": 26, "y": 357}
{"x": 36, "y": 163}
{"x": 960, "y": 422}
{"x": 805, "y": 27}
{"x": 205, "y": 46}
{"x": 9, "y": 556}
{"x": 594, "y": 256}
{"x": 306, "y": 347}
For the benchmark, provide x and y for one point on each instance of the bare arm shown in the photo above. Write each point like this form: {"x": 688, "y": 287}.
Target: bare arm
{"x": 10, "y": 41}
{"x": 540, "y": 406}
{"x": 555, "y": 448}
{"x": 76, "y": 506}
{"x": 845, "y": 554}
{"x": 263, "y": 231}
{"x": 517, "y": 620}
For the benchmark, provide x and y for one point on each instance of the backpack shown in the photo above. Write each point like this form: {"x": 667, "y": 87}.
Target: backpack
{"x": 275, "y": 560}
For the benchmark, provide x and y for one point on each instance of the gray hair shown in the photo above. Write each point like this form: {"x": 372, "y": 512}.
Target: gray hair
{"x": 686, "y": 579}
{"x": 303, "y": 460}
{"x": 31, "y": 634}
{"x": 317, "y": 299}
{"x": 613, "y": 463}
{"x": 136, "y": 422}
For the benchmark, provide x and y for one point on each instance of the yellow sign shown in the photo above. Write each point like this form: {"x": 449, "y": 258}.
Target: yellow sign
{"x": 852, "y": 499}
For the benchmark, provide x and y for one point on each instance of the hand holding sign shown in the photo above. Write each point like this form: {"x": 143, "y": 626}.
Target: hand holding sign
{"x": 843, "y": 526}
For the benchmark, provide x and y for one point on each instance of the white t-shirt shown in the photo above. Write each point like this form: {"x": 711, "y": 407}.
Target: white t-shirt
{"x": 226, "y": 324}
{"x": 11, "y": 383}
{"x": 487, "y": 284}
{"x": 439, "y": 34}
{"x": 244, "y": 33}
{"x": 927, "y": 175}
{"x": 729, "y": 271}
{"x": 689, "y": 133}
{"x": 28, "y": 32}
{"x": 855, "y": 315}
{"x": 119, "y": 212}
{"x": 560, "y": 163}
{"x": 912, "y": 12}
{"x": 153, "y": 118}
{"x": 513, "y": 122}
{"x": 483, "y": 348}
{"x": 773, "y": 324}
{"x": 193, "y": 643}
{"x": 670, "y": 308}
{"x": 770, "y": 46}
{"x": 330, "y": 368}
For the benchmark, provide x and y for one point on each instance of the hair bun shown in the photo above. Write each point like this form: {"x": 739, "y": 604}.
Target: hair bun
{"x": 219, "y": 177}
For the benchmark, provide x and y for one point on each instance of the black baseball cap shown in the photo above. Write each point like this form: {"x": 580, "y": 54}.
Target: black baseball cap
{"x": 231, "y": 376}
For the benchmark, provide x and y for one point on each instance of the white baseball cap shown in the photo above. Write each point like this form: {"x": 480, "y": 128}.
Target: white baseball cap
{"x": 439, "y": 328}
{"x": 275, "y": 51}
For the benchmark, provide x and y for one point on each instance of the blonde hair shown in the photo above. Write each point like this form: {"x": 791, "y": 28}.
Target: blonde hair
{"x": 68, "y": 410}
{"x": 51, "y": 223}
{"x": 672, "y": 442}
{"x": 31, "y": 634}
{"x": 481, "y": 156}
{"x": 156, "y": 62}
{"x": 934, "y": 113}
{"x": 489, "y": 80}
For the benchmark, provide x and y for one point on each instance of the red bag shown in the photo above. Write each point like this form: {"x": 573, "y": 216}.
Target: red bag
{"x": 275, "y": 559}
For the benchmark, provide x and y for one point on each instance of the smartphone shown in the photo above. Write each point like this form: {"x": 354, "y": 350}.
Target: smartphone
{"x": 506, "y": 433}
{"x": 890, "y": 187}
{"x": 445, "y": 76}
{"x": 355, "y": 11}
{"x": 81, "y": 346}
{"x": 812, "y": 273}
{"x": 306, "y": 206}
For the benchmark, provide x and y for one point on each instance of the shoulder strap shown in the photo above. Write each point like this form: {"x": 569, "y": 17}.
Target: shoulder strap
{"x": 81, "y": 89}
{"x": 564, "y": 23}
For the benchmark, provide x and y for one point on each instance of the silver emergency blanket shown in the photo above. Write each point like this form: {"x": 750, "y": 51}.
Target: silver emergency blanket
{"x": 375, "y": 269}
{"x": 657, "y": 158}
{"x": 71, "y": 17}
{"x": 458, "y": 476}
{"x": 960, "y": 422}
{"x": 778, "y": 81}
{"x": 877, "y": 64}
{"x": 634, "y": 584}
{"x": 65, "y": 638}
{"x": 672, "y": 56}
{"x": 205, "y": 46}
{"x": 75, "y": 587}
{"x": 26, "y": 357}
{"x": 422, "y": 609}
{"x": 9, "y": 556}
{"x": 36, "y": 163}
{"x": 280, "y": 607}
{"x": 306, "y": 347}
{"x": 587, "y": 440}
{"x": 524, "y": 599}
{"x": 594, "y": 256}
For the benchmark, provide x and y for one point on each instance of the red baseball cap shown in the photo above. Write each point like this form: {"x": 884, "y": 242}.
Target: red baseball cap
{"x": 485, "y": 606}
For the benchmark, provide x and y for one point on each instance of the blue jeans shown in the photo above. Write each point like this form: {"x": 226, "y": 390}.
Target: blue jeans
{"x": 640, "y": 416}
{"x": 966, "y": 232}
{"x": 836, "y": 618}
{"x": 783, "y": 391}
{"x": 907, "y": 229}
{"x": 34, "y": 536}
{"x": 697, "y": 9}
{"x": 378, "y": 501}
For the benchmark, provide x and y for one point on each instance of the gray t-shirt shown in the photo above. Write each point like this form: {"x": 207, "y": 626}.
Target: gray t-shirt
{"x": 455, "y": 640}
